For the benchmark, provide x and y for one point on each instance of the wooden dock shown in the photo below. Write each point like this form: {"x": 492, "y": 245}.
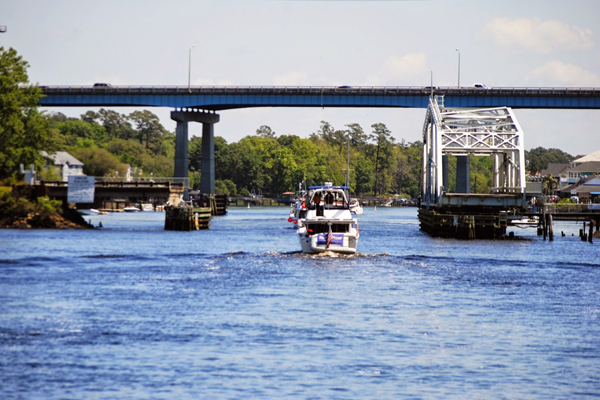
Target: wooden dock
{"x": 548, "y": 213}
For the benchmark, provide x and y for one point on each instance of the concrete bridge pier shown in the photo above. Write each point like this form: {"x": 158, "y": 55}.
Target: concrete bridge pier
{"x": 207, "y": 185}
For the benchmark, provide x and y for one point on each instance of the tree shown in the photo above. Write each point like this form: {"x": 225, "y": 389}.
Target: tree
{"x": 265, "y": 131}
{"x": 364, "y": 175}
{"x": 23, "y": 129}
{"x": 384, "y": 144}
{"x": 116, "y": 125}
{"x": 358, "y": 138}
{"x": 549, "y": 183}
{"x": 83, "y": 130}
{"x": 99, "y": 162}
{"x": 538, "y": 159}
{"x": 149, "y": 128}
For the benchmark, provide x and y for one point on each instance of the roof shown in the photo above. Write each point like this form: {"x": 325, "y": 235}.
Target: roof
{"x": 595, "y": 181}
{"x": 589, "y": 185}
{"x": 588, "y": 166}
{"x": 62, "y": 158}
{"x": 595, "y": 156}
{"x": 555, "y": 169}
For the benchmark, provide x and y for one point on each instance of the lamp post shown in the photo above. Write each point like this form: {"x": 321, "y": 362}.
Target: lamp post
{"x": 190, "y": 70}
{"x": 458, "y": 67}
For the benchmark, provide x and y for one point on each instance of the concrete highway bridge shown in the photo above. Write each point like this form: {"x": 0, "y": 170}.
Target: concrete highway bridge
{"x": 200, "y": 104}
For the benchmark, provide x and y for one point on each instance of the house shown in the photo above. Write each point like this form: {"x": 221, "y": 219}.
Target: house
{"x": 559, "y": 171}
{"x": 583, "y": 170}
{"x": 66, "y": 164}
{"x": 588, "y": 190}
{"x": 595, "y": 156}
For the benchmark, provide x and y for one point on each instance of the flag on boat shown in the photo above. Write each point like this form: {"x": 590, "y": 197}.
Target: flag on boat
{"x": 329, "y": 236}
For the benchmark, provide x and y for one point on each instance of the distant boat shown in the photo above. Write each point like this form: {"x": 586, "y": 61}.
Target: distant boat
{"x": 355, "y": 207}
{"x": 88, "y": 211}
{"x": 147, "y": 207}
{"x": 531, "y": 221}
{"x": 131, "y": 209}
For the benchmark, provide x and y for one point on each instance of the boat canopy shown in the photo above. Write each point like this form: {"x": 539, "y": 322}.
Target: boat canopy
{"x": 329, "y": 187}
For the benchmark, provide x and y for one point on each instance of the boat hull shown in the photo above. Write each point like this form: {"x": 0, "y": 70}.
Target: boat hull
{"x": 341, "y": 243}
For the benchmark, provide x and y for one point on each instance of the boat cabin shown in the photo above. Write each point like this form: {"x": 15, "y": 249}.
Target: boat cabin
{"x": 328, "y": 197}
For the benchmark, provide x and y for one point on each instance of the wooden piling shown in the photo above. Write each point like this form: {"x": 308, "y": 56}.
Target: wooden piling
{"x": 187, "y": 218}
{"x": 550, "y": 228}
{"x": 591, "y": 234}
{"x": 545, "y": 223}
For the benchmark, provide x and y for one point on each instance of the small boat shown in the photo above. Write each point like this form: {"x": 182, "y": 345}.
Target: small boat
{"x": 355, "y": 207}
{"x": 531, "y": 221}
{"x": 298, "y": 208}
{"x": 147, "y": 207}
{"x": 387, "y": 203}
{"x": 131, "y": 209}
{"x": 328, "y": 224}
{"x": 88, "y": 211}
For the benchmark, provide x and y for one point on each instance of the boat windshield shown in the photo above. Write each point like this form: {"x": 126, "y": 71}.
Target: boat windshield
{"x": 329, "y": 198}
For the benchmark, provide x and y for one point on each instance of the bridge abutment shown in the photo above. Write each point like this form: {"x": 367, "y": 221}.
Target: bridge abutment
{"x": 208, "y": 120}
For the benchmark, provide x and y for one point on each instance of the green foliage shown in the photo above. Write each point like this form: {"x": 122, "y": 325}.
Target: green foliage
{"x": 227, "y": 187}
{"x": 14, "y": 205}
{"x": 538, "y": 159}
{"x": 99, "y": 162}
{"x": 23, "y": 129}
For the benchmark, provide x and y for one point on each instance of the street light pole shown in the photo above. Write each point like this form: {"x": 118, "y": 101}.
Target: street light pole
{"x": 190, "y": 70}
{"x": 458, "y": 67}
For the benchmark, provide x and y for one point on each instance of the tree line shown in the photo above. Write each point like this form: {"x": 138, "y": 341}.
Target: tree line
{"x": 107, "y": 142}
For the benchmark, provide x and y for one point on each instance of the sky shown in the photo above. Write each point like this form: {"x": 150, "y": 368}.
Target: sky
{"x": 525, "y": 43}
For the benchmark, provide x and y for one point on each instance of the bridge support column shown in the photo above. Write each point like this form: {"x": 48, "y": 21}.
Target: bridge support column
{"x": 181, "y": 150}
{"x": 207, "y": 175}
{"x": 463, "y": 175}
{"x": 445, "y": 180}
{"x": 207, "y": 184}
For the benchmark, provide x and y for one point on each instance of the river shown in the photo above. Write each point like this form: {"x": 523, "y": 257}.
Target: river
{"x": 131, "y": 311}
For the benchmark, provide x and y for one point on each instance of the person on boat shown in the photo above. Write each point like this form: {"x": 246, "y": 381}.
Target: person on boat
{"x": 318, "y": 206}
{"x": 329, "y": 198}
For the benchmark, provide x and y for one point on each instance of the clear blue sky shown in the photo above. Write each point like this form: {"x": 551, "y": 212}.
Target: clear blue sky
{"x": 371, "y": 43}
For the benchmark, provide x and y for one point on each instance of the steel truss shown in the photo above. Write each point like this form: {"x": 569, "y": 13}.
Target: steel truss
{"x": 491, "y": 132}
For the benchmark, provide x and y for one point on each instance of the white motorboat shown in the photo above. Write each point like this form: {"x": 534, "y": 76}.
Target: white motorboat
{"x": 328, "y": 225}
{"x": 131, "y": 209}
{"x": 525, "y": 222}
{"x": 88, "y": 211}
{"x": 355, "y": 207}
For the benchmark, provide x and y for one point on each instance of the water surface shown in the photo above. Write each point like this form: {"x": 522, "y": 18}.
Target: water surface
{"x": 131, "y": 311}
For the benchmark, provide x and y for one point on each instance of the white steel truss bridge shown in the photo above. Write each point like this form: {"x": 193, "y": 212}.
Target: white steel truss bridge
{"x": 493, "y": 132}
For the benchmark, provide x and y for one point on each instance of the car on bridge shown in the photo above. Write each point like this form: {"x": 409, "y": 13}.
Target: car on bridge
{"x": 102, "y": 84}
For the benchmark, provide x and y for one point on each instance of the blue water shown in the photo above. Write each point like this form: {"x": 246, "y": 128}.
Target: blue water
{"x": 234, "y": 312}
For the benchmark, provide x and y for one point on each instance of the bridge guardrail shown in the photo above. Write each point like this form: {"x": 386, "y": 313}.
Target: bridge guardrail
{"x": 386, "y": 90}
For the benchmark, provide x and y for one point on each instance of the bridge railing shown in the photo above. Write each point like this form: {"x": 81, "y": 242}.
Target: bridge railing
{"x": 138, "y": 181}
{"x": 147, "y": 180}
{"x": 389, "y": 90}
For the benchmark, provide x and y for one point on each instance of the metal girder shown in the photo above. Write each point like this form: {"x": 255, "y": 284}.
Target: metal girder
{"x": 491, "y": 132}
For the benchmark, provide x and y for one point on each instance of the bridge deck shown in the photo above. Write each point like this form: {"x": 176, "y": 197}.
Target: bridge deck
{"x": 231, "y": 97}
